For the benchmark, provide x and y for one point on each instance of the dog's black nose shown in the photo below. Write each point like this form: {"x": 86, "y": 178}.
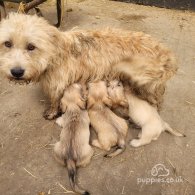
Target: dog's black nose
{"x": 17, "y": 72}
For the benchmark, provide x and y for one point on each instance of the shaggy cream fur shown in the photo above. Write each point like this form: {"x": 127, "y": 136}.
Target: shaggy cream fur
{"x": 59, "y": 59}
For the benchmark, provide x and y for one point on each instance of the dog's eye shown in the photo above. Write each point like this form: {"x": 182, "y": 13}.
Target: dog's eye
{"x": 30, "y": 47}
{"x": 8, "y": 44}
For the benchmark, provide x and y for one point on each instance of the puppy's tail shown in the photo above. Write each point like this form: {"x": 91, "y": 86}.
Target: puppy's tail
{"x": 72, "y": 173}
{"x": 173, "y": 132}
{"x": 118, "y": 150}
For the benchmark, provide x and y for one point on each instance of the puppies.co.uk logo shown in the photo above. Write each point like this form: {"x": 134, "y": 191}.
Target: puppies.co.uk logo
{"x": 160, "y": 170}
{"x": 159, "y": 174}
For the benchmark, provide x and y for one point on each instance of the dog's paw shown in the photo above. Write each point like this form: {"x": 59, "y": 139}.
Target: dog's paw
{"x": 135, "y": 143}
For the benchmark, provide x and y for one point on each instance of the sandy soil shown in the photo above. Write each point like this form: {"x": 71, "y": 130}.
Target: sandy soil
{"x": 27, "y": 166}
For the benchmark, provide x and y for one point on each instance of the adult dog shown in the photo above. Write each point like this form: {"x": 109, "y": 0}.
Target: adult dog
{"x": 33, "y": 50}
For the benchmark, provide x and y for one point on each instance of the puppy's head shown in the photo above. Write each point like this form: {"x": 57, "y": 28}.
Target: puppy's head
{"x": 27, "y": 46}
{"x": 97, "y": 92}
{"x": 73, "y": 97}
{"x": 116, "y": 93}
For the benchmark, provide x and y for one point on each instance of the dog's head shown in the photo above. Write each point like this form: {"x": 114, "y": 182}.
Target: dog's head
{"x": 116, "y": 93}
{"x": 73, "y": 97}
{"x": 27, "y": 46}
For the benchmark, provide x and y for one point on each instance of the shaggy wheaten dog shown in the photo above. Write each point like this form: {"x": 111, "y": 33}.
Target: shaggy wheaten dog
{"x": 111, "y": 130}
{"x": 33, "y": 50}
{"x": 142, "y": 113}
{"x": 73, "y": 149}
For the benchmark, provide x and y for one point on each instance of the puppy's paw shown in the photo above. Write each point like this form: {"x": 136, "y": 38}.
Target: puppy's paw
{"x": 95, "y": 143}
{"x": 50, "y": 114}
{"x": 59, "y": 121}
{"x": 107, "y": 156}
{"x": 139, "y": 134}
{"x": 135, "y": 143}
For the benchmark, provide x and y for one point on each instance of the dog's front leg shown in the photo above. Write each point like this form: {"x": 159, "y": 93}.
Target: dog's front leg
{"x": 55, "y": 96}
{"x": 52, "y": 112}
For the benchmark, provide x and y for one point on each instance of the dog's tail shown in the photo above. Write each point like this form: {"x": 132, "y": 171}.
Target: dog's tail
{"x": 173, "y": 132}
{"x": 72, "y": 173}
{"x": 118, "y": 149}
{"x": 143, "y": 70}
{"x": 148, "y": 76}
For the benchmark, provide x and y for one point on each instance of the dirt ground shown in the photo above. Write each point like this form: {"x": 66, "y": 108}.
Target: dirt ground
{"x": 27, "y": 166}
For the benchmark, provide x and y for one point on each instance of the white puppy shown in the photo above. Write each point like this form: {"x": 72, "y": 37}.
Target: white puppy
{"x": 142, "y": 113}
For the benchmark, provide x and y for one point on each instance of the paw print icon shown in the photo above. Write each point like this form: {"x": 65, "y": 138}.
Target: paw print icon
{"x": 160, "y": 170}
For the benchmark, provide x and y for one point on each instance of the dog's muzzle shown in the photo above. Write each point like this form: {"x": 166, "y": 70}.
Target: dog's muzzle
{"x": 17, "y": 72}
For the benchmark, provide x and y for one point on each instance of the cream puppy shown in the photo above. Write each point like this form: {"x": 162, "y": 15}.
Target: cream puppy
{"x": 142, "y": 113}
{"x": 73, "y": 149}
{"x": 111, "y": 130}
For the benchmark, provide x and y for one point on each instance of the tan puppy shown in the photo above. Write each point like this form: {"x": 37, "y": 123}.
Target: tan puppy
{"x": 73, "y": 149}
{"x": 33, "y": 50}
{"x": 142, "y": 113}
{"x": 111, "y": 130}
{"x": 116, "y": 93}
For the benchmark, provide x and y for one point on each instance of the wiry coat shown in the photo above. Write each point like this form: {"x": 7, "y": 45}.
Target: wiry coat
{"x": 62, "y": 58}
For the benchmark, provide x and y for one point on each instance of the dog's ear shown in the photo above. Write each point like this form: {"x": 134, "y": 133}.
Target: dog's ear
{"x": 107, "y": 101}
{"x": 90, "y": 102}
{"x": 56, "y": 42}
{"x": 124, "y": 103}
{"x": 55, "y": 34}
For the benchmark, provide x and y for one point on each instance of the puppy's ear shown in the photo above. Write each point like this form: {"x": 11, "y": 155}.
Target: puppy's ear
{"x": 107, "y": 101}
{"x": 90, "y": 102}
{"x": 124, "y": 103}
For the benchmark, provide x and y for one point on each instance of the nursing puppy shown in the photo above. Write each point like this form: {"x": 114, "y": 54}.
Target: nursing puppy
{"x": 116, "y": 93}
{"x": 33, "y": 50}
{"x": 142, "y": 113}
{"x": 73, "y": 149}
{"x": 111, "y": 130}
